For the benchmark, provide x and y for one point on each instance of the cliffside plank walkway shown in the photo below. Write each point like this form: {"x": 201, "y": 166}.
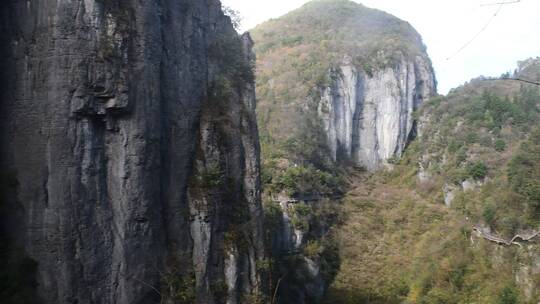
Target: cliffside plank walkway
{"x": 305, "y": 198}
{"x": 525, "y": 236}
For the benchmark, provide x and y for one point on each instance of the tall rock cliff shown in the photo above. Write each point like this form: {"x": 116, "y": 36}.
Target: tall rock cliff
{"x": 129, "y": 138}
{"x": 368, "y": 119}
{"x": 357, "y": 73}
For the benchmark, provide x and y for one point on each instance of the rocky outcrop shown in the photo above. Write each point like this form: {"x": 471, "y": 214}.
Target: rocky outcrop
{"x": 301, "y": 247}
{"x": 287, "y": 237}
{"x": 129, "y": 129}
{"x": 368, "y": 117}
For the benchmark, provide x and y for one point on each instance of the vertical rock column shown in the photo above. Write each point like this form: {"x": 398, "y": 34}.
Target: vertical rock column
{"x": 368, "y": 118}
{"x": 106, "y": 122}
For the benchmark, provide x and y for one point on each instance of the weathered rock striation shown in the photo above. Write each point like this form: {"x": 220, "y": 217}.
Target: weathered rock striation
{"x": 368, "y": 119}
{"x": 129, "y": 130}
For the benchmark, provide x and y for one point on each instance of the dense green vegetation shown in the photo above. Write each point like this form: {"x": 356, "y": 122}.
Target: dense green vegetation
{"x": 488, "y": 137}
{"x": 401, "y": 244}
{"x": 524, "y": 173}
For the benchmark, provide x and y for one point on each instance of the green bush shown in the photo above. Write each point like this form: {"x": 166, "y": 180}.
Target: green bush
{"x": 485, "y": 141}
{"x": 313, "y": 249}
{"x": 308, "y": 180}
{"x": 462, "y": 156}
{"x": 524, "y": 172}
{"x": 489, "y": 214}
{"x": 509, "y": 295}
{"x": 500, "y": 145}
{"x": 438, "y": 296}
{"x": 272, "y": 213}
{"x": 211, "y": 176}
{"x": 492, "y": 111}
{"x": 471, "y": 138}
{"x": 509, "y": 224}
{"x": 477, "y": 170}
{"x": 500, "y": 110}
{"x": 454, "y": 146}
{"x": 394, "y": 160}
{"x": 330, "y": 258}
{"x": 301, "y": 216}
{"x": 228, "y": 53}
{"x": 178, "y": 288}
{"x": 456, "y": 176}
{"x": 302, "y": 210}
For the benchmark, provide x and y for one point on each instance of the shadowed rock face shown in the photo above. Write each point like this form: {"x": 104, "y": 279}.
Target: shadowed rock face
{"x": 368, "y": 119}
{"x": 134, "y": 148}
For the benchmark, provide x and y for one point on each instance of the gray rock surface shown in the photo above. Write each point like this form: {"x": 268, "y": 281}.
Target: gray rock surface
{"x": 368, "y": 118}
{"x": 305, "y": 278}
{"x": 132, "y": 163}
{"x": 449, "y": 193}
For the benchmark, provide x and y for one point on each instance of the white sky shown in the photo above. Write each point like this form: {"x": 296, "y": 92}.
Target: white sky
{"x": 445, "y": 25}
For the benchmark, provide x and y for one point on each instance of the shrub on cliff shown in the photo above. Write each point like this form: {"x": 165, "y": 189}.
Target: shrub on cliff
{"x": 477, "y": 170}
{"x": 509, "y": 295}
{"x": 308, "y": 180}
{"x": 524, "y": 172}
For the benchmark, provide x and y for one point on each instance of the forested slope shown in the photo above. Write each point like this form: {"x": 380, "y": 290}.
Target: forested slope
{"x": 437, "y": 227}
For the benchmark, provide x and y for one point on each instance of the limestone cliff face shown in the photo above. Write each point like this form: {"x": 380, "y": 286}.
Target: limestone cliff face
{"x": 368, "y": 118}
{"x": 335, "y": 75}
{"x": 129, "y": 129}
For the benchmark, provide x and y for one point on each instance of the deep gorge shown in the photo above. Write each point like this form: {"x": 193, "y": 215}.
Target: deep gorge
{"x": 151, "y": 154}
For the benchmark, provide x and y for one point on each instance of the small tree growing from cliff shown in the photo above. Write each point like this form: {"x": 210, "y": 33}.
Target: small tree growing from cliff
{"x": 477, "y": 170}
{"x": 508, "y": 295}
{"x": 500, "y": 145}
{"x": 236, "y": 18}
